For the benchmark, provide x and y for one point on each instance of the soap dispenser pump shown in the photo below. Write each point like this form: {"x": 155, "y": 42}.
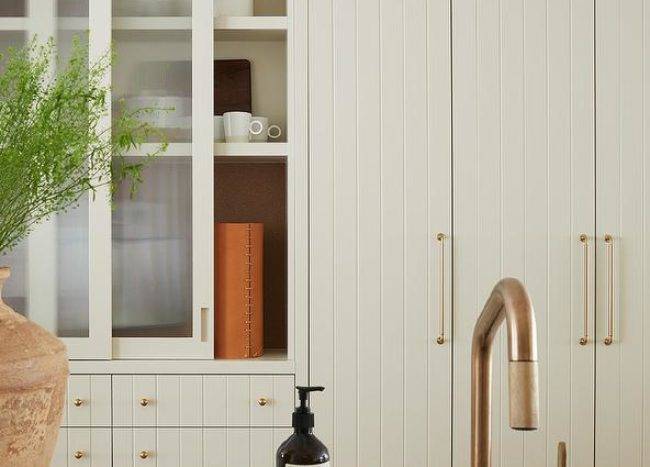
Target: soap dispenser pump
{"x": 302, "y": 447}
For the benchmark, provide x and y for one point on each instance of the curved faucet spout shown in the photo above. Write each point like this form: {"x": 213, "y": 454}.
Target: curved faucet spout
{"x": 510, "y": 301}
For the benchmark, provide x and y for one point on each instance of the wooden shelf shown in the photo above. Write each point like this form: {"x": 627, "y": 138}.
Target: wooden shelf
{"x": 254, "y": 151}
{"x": 173, "y": 150}
{"x": 251, "y": 149}
{"x": 272, "y": 362}
{"x": 250, "y": 28}
{"x": 250, "y": 24}
{"x": 17, "y": 23}
{"x": 152, "y": 23}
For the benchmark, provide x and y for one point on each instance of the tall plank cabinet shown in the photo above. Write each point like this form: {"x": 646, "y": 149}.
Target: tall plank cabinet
{"x": 455, "y": 143}
{"x": 130, "y": 287}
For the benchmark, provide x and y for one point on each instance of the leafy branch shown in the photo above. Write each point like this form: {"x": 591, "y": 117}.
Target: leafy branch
{"x": 55, "y": 145}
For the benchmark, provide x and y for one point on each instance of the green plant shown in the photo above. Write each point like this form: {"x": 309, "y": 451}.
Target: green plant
{"x": 55, "y": 144}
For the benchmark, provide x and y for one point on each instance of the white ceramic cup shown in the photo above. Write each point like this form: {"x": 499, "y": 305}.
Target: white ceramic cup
{"x": 274, "y": 131}
{"x": 237, "y": 127}
{"x": 259, "y": 129}
{"x": 219, "y": 134}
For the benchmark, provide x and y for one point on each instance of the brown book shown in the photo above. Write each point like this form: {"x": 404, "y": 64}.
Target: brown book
{"x": 239, "y": 318}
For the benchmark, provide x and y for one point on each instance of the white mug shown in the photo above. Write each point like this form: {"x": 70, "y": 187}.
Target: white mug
{"x": 219, "y": 135}
{"x": 237, "y": 127}
{"x": 274, "y": 131}
{"x": 259, "y": 129}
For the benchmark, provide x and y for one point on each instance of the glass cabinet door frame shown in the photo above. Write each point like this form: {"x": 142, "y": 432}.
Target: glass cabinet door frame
{"x": 200, "y": 344}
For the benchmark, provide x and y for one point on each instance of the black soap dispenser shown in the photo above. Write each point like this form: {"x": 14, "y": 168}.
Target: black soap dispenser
{"x": 302, "y": 447}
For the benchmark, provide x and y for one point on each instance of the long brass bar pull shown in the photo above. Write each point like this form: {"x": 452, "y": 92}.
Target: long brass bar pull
{"x": 609, "y": 244}
{"x": 561, "y": 454}
{"x": 441, "y": 288}
{"x": 584, "y": 239}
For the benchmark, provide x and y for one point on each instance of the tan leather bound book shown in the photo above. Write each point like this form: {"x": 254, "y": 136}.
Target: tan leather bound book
{"x": 239, "y": 261}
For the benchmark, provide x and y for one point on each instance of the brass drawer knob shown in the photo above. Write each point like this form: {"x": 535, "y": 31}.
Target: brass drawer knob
{"x": 143, "y": 454}
{"x": 78, "y": 402}
{"x": 262, "y": 401}
{"x": 78, "y": 454}
{"x": 144, "y": 402}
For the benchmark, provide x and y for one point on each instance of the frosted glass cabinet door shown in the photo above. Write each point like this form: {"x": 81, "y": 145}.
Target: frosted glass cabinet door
{"x": 162, "y": 233}
{"x": 50, "y": 281}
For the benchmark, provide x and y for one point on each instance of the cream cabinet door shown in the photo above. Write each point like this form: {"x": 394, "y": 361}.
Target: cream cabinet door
{"x": 623, "y": 229}
{"x": 380, "y": 191}
{"x": 523, "y": 158}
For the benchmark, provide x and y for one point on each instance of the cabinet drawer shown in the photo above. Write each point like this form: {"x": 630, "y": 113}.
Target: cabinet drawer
{"x": 202, "y": 401}
{"x": 88, "y": 401}
{"x": 196, "y": 447}
{"x": 84, "y": 447}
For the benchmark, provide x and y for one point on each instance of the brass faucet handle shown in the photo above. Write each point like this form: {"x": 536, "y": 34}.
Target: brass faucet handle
{"x": 561, "y": 454}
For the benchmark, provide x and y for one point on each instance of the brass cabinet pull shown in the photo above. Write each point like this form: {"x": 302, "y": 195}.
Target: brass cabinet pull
{"x": 609, "y": 245}
{"x": 144, "y": 402}
{"x": 441, "y": 288}
{"x": 584, "y": 239}
{"x": 143, "y": 454}
{"x": 78, "y": 402}
{"x": 262, "y": 401}
{"x": 78, "y": 454}
{"x": 561, "y": 454}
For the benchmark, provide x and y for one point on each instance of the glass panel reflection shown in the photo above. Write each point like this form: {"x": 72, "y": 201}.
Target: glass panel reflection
{"x": 152, "y": 253}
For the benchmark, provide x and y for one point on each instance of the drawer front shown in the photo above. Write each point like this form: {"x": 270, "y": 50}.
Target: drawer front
{"x": 83, "y": 447}
{"x": 202, "y": 401}
{"x": 88, "y": 401}
{"x": 196, "y": 447}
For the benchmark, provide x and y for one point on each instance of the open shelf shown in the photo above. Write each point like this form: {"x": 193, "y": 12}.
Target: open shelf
{"x": 250, "y": 151}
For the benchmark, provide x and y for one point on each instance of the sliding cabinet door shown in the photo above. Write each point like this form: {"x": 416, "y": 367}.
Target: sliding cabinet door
{"x": 623, "y": 233}
{"x": 523, "y": 166}
{"x": 380, "y": 178}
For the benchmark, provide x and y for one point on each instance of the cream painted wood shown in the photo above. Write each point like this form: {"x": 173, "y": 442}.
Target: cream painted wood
{"x": 87, "y": 447}
{"x": 380, "y": 190}
{"x": 88, "y": 401}
{"x": 60, "y": 456}
{"x": 215, "y": 447}
{"x": 200, "y": 344}
{"x": 623, "y": 174}
{"x": 197, "y": 401}
{"x": 214, "y": 400}
{"x": 523, "y": 193}
{"x": 238, "y": 401}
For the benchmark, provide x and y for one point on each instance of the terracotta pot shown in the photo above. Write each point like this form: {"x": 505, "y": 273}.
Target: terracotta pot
{"x": 33, "y": 377}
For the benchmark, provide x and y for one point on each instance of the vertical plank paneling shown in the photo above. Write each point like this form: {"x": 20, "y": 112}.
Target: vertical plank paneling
{"x": 466, "y": 191}
{"x": 439, "y": 221}
{"x": 321, "y": 214}
{"x": 168, "y": 400}
{"x": 238, "y": 447}
{"x": 369, "y": 233}
{"x": 214, "y": 400}
{"x": 168, "y": 452}
{"x": 191, "y": 407}
{"x": 620, "y": 410}
{"x": 261, "y": 386}
{"x": 392, "y": 233}
{"x": 191, "y": 454}
{"x": 583, "y": 217}
{"x": 345, "y": 232}
{"x": 513, "y": 188}
{"x": 416, "y": 234}
{"x": 608, "y": 376}
{"x": 238, "y": 401}
{"x": 380, "y": 181}
{"x": 523, "y": 192}
{"x": 215, "y": 451}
